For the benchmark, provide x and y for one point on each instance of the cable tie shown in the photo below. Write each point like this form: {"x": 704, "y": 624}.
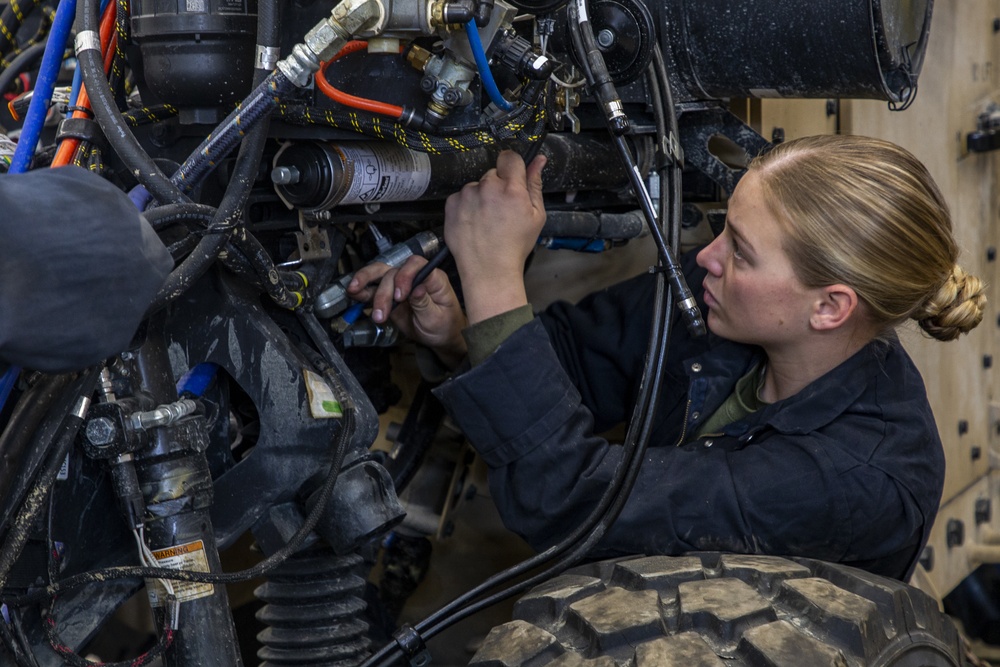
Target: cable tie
{"x": 87, "y": 40}
{"x": 412, "y": 645}
{"x": 81, "y": 109}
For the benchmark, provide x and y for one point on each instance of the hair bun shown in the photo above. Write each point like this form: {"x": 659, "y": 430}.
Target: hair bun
{"x": 955, "y": 309}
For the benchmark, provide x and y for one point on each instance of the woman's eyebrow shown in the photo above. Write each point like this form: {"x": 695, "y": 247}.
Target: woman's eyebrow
{"x": 735, "y": 231}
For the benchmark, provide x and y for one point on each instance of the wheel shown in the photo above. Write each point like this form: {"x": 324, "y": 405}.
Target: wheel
{"x": 715, "y": 610}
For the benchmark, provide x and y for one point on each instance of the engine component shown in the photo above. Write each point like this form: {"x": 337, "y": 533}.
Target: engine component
{"x": 802, "y": 48}
{"x": 196, "y": 54}
{"x": 624, "y": 31}
{"x": 314, "y": 176}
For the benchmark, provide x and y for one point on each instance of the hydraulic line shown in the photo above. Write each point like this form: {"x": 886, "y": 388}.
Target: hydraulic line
{"x": 24, "y": 420}
{"x": 11, "y": 20}
{"x": 592, "y": 62}
{"x": 32, "y": 507}
{"x": 582, "y": 35}
{"x": 483, "y": 65}
{"x": 80, "y": 103}
{"x": 526, "y": 123}
{"x": 365, "y": 104}
{"x": 22, "y": 63}
{"x": 31, "y": 130}
{"x": 124, "y": 143}
{"x": 231, "y": 131}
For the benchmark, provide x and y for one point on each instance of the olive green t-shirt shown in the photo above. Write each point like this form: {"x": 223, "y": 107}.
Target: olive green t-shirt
{"x": 744, "y": 400}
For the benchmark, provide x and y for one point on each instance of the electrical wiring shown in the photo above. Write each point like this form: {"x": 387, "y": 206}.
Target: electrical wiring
{"x": 365, "y": 104}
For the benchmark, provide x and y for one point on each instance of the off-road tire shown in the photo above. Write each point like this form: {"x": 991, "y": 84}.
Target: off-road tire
{"x": 722, "y": 610}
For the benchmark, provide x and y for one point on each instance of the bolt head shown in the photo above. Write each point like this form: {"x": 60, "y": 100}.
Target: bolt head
{"x": 605, "y": 38}
{"x": 100, "y": 431}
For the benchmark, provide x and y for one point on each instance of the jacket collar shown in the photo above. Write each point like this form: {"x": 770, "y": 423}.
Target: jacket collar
{"x": 712, "y": 378}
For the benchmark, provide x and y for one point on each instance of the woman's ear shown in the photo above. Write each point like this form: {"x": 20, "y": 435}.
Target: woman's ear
{"x": 833, "y": 308}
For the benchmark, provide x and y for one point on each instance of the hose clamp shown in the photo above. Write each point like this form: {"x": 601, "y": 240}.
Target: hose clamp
{"x": 412, "y": 645}
{"x": 87, "y": 40}
{"x": 266, "y": 57}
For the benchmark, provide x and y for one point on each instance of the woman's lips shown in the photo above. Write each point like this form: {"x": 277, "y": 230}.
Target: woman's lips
{"x": 709, "y": 297}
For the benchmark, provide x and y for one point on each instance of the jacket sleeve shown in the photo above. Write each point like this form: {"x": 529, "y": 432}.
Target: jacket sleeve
{"x": 548, "y": 471}
{"x": 78, "y": 267}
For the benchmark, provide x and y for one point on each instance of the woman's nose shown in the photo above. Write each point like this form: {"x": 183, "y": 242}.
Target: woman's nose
{"x": 710, "y": 258}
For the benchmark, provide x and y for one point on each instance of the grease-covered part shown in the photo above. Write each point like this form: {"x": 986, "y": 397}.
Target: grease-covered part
{"x": 224, "y": 323}
{"x": 710, "y": 610}
{"x": 797, "y": 48}
{"x": 177, "y": 492}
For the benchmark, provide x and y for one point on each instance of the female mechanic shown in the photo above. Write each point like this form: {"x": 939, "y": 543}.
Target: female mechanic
{"x": 799, "y": 426}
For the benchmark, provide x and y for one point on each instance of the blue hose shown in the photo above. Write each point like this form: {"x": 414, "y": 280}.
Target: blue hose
{"x": 7, "y": 384}
{"x": 42, "y": 95}
{"x": 479, "y": 53}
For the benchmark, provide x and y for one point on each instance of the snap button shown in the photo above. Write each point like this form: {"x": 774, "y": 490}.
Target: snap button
{"x": 709, "y": 443}
{"x": 695, "y": 415}
{"x": 696, "y": 367}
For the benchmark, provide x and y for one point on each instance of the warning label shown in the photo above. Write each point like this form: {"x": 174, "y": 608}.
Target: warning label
{"x": 191, "y": 557}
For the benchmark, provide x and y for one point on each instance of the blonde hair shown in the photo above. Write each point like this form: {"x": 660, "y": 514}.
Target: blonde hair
{"x": 866, "y": 213}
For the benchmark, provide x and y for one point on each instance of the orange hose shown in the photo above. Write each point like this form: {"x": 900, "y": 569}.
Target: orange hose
{"x": 67, "y": 147}
{"x": 347, "y": 99}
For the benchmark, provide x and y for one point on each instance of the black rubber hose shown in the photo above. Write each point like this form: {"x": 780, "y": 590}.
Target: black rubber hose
{"x": 246, "y": 249}
{"x": 22, "y": 63}
{"x": 162, "y": 217}
{"x": 35, "y": 503}
{"x": 106, "y": 112}
{"x": 599, "y": 79}
{"x": 241, "y": 182}
{"x": 31, "y": 408}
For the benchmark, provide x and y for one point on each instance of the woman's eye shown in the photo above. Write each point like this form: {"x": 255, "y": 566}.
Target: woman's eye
{"x": 737, "y": 253}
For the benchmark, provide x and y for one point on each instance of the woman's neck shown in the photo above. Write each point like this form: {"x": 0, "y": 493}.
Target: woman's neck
{"x": 790, "y": 368}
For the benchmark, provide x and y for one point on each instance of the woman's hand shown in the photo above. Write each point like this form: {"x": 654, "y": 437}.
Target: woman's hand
{"x": 491, "y": 226}
{"x": 429, "y": 313}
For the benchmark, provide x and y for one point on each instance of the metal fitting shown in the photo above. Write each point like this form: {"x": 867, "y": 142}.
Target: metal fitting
{"x": 163, "y": 415}
{"x": 327, "y": 37}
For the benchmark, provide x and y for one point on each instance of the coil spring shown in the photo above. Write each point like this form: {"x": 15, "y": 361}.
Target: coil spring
{"x": 314, "y": 611}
